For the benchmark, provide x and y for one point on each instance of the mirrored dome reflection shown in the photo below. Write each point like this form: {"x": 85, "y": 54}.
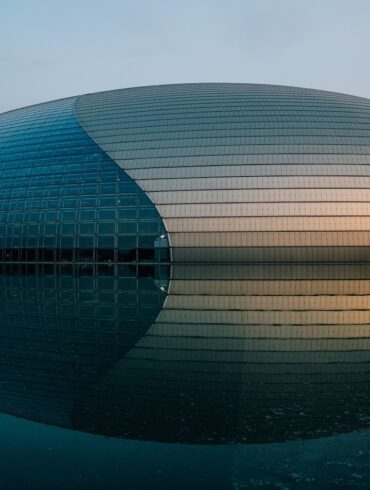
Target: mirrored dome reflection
{"x": 64, "y": 325}
{"x": 232, "y": 353}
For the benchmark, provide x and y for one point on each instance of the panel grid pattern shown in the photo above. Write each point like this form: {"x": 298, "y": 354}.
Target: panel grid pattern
{"x": 197, "y": 150}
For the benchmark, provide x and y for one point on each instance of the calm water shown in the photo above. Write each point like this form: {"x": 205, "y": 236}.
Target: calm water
{"x": 230, "y": 377}
{"x": 36, "y": 456}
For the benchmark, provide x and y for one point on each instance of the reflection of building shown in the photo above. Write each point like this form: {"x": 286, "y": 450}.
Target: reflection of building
{"x": 251, "y": 353}
{"x": 192, "y": 259}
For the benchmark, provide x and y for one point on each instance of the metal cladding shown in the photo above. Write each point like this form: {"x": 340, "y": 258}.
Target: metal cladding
{"x": 244, "y": 172}
{"x": 192, "y": 260}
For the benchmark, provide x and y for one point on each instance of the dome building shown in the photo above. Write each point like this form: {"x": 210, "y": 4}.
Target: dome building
{"x": 190, "y": 254}
{"x": 223, "y": 172}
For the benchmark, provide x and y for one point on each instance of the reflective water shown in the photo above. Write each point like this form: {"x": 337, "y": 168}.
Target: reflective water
{"x": 202, "y": 376}
{"x": 36, "y": 456}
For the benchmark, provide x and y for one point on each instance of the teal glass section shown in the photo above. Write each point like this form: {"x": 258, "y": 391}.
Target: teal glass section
{"x": 83, "y": 256}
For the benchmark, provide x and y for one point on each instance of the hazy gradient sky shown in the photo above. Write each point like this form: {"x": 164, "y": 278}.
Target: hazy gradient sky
{"x": 56, "y": 48}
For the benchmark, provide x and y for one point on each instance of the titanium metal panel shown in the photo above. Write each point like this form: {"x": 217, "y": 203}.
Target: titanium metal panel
{"x": 214, "y": 144}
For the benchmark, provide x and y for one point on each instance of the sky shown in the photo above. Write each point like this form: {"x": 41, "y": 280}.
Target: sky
{"x": 50, "y": 49}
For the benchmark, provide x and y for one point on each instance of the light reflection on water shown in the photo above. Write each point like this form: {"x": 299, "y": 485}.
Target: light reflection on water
{"x": 37, "y": 456}
{"x": 256, "y": 374}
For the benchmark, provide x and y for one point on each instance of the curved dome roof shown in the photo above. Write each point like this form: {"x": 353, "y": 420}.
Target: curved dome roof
{"x": 244, "y": 172}
{"x": 97, "y": 320}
